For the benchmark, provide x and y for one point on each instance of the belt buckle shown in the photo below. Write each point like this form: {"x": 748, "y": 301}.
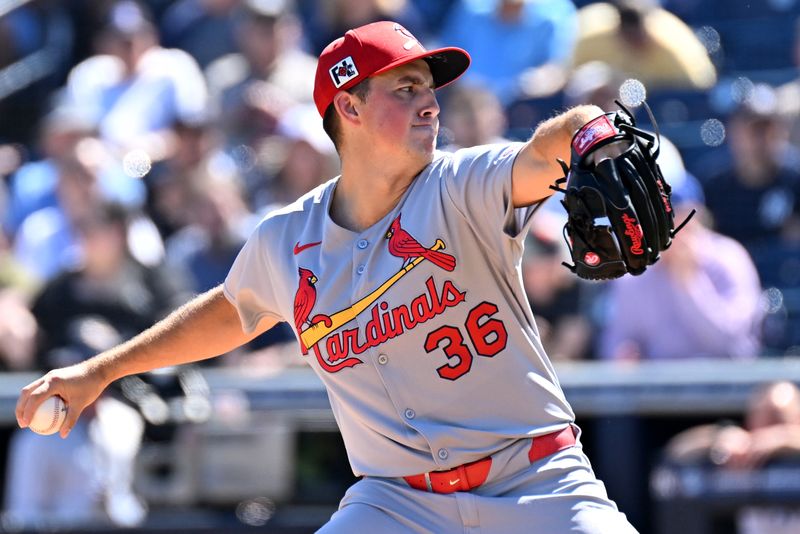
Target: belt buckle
{"x": 428, "y": 482}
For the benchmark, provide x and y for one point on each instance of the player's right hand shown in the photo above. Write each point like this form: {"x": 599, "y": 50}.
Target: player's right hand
{"x": 77, "y": 385}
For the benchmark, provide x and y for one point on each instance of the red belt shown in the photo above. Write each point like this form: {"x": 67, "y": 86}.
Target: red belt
{"x": 469, "y": 476}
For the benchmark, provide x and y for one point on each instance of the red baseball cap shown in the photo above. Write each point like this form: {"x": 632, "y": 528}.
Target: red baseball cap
{"x": 376, "y": 48}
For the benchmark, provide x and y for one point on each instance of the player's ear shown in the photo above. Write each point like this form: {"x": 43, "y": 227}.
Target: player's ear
{"x": 345, "y": 105}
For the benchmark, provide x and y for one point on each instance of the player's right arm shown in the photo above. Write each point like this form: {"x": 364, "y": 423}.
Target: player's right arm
{"x": 205, "y": 327}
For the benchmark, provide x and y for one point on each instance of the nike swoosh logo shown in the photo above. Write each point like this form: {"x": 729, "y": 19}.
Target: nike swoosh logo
{"x": 454, "y": 482}
{"x": 298, "y": 248}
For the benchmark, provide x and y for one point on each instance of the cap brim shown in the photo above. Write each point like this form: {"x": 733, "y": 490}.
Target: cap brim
{"x": 446, "y": 64}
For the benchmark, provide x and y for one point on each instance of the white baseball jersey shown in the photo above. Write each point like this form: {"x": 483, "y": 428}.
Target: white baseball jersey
{"x": 419, "y": 326}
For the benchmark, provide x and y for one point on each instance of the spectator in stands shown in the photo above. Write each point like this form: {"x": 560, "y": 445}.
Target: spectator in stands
{"x": 595, "y": 83}
{"x": 46, "y": 242}
{"x": 77, "y": 313}
{"x": 63, "y": 133}
{"x": 771, "y": 432}
{"x": 195, "y": 149}
{"x": 472, "y": 116}
{"x": 17, "y": 325}
{"x": 17, "y": 331}
{"x": 701, "y": 300}
{"x": 519, "y": 47}
{"x": 644, "y": 41}
{"x": 433, "y": 12}
{"x": 36, "y": 45}
{"x": 218, "y": 225}
{"x": 332, "y": 19}
{"x": 756, "y": 200}
{"x": 56, "y": 485}
{"x": 251, "y": 89}
{"x": 107, "y": 283}
{"x": 203, "y": 28}
{"x": 307, "y": 158}
{"x": 557, "y": 297}
{"x": 134, "y": 89}
{"x": 789, "y": 93}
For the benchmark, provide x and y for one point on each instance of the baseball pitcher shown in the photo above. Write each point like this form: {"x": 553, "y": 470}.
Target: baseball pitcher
{"x": 401, "y": 279}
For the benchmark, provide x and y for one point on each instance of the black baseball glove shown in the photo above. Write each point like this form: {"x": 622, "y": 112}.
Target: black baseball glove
{"x": 620, "y": 216}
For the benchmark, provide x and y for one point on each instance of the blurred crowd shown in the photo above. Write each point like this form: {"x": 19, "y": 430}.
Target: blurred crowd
{"x": 142, "y": 141}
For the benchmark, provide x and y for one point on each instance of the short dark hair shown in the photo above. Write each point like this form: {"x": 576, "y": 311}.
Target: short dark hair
{"x": 330, "y": 122}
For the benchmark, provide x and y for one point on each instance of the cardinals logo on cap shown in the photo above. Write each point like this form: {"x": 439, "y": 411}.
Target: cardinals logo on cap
{"x": 412, "y": 41}
{"x": 343, "y": 72}
{"x": 403, "y": 31}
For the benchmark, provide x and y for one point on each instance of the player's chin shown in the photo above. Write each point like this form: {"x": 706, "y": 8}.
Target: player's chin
{"x": 422, "y": 155}
{"x": 426, "y": 151}
{"x": 425, "y": 137}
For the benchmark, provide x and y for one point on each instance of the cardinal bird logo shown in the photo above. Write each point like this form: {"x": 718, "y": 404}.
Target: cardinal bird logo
{"x": 403, "y": 245}
{"x": 304, "y": 301}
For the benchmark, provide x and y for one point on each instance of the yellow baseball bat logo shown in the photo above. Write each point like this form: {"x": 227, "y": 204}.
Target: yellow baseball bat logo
{"x": 320, "y": 329}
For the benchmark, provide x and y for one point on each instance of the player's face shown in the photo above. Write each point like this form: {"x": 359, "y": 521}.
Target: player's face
{"x": 402, "y": 114}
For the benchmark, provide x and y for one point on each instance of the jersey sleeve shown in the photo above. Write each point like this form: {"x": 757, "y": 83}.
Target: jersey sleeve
{"x": 249, "y": 285}
{"x": 479, "y": 184}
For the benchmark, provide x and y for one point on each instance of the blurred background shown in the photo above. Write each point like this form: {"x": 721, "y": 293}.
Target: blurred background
{"x": 141, "y": 142}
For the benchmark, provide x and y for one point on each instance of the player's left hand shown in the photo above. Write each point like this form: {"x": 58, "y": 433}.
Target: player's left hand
{"x": 610, "y": 151}
{"x": 620, "y": 216}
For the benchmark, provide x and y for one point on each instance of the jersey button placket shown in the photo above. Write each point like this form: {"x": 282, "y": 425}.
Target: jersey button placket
{"x": 410, "y": 414}
{"x": 442, "y": 454}
{"x": 383, "y": 359}
{"x": 361, "y": 244}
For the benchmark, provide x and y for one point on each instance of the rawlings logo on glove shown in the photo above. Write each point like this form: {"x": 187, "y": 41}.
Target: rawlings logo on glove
{"x": 592, "y": 134}
{"x": 620, "y": 216}
{"x": 634, "y": 232}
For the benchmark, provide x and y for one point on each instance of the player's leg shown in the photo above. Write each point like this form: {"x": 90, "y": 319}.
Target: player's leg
{"x": 391, "y": 506}
{"x": 359, "y": 516}
{"x": 559, "y": 493}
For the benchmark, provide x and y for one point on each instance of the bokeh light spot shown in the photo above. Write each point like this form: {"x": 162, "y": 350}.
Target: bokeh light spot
{"x": 632, "y": 92}
{"x": 712, "y": 132}
{"x": 136, "y": 163}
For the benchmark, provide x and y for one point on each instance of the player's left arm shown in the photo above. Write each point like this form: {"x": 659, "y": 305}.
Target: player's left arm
{"x": 536, "y": 167}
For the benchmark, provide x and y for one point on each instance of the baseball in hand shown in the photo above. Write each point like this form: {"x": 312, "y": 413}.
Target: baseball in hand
{"x": 49, "y": 416}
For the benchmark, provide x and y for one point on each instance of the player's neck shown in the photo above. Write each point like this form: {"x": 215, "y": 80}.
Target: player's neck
{"x": 363, "y": 198}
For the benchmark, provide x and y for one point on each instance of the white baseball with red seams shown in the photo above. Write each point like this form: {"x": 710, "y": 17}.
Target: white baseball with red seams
{"x": 49, "y": 416}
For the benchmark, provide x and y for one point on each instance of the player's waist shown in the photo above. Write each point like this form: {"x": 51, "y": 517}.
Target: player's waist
{"x": 469, "y": 476}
